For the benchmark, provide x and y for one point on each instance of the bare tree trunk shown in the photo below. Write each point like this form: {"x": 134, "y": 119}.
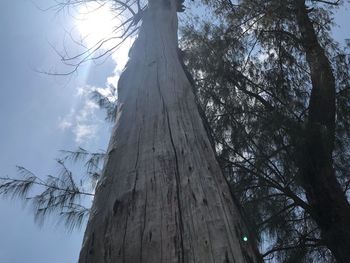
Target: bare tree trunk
{"x": 162, "y": 196}
{"x": 330, "y": 208}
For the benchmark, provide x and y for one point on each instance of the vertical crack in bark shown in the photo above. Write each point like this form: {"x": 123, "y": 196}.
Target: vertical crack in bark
{"x": 162, "y": 207}
{"x": 131, "y": 199}
{"x": 136, "y": 164}
{"x": 144, "y": 224}
{"x": 192, "y": 222}
{"x": 161, "y": 227}
{"x": 138, "y": 150}
{"x": 177, "y": 173}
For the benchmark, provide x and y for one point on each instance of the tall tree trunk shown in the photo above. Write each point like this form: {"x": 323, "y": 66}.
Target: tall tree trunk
{"x": 162, "y": 196}
{"x": 330, "y": 208}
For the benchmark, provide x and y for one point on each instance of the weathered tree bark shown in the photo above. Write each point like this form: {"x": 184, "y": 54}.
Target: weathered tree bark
{"x": 330, "y": 208}
{"x": 162, "y": 196}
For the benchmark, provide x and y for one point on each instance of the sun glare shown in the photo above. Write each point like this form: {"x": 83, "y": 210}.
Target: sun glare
{"x": 95, "y": 22}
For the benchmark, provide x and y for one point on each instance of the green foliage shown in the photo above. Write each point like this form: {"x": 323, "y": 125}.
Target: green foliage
{"x": 62, "y": 194}
{"x": 253, "y": 84}
{"x": 92, "y": 162}
{"x": 108, "y": 102}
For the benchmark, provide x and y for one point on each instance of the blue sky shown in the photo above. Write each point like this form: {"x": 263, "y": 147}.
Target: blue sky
{"x": 43, "y": 114}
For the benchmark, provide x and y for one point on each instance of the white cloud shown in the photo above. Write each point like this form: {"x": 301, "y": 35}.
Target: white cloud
{"x": 90, "y": 105}
{"x": 108, "y": 93}
{"x": 86, "y": 121}
{"x": 82, "y": 91}
{"x": 64, "y": 124}
{"x": 113, "y": 80}
{"x": 82, "y": 120}
{"x": 87, "y": 112}
{"x": 84, "y": 131}
{"x": 121, "y": 55}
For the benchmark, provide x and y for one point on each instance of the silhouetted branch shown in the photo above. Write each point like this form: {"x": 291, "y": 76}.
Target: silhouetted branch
{"x": 54, "y": 194}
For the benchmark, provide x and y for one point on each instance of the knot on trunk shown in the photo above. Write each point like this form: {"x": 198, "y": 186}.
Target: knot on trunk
{"x": 180, "y": 7}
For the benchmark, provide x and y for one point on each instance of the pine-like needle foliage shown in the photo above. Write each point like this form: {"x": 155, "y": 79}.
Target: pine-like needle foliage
{"x": 61, "y": 195}
{"x": 107, "y": 101}
{"x": 91, "y": 162}
{"x": 254, "y": 86}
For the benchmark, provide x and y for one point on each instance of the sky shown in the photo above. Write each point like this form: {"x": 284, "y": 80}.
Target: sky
{"x": 43, "y": 114}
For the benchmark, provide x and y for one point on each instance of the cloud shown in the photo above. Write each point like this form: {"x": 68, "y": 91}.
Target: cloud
{"x": 84, "y": 131}
{"x": 87, "y": 112}
{"x": 82, "y": 120}
{"x": 113, "y": 80}
{"x": 64, "y": 124}
{"x": 121, "y": 55}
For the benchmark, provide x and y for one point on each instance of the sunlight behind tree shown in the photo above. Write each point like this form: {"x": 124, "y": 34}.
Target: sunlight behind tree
{"x": 93, "y": 22}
